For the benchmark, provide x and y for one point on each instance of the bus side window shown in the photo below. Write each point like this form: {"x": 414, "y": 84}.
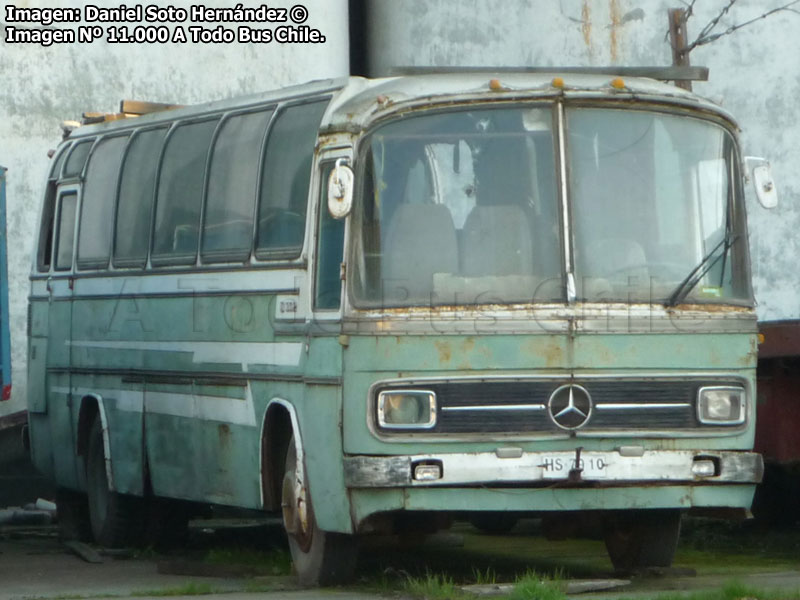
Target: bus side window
{"x": 66, "y": 230}
{"x": 77, "y": 159}
{"x": 330, "y": 245}
{"x": 44, "y": 251}
{"x": 180, "y": 194}
{"x": 285, "y": 180}
{"x": 136, "y": 188}
{"x": 97, "y": 206}
{"x": 232, "y": 186}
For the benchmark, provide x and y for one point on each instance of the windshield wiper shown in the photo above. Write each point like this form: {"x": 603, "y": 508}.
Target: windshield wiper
{"x": 703, "y": 267}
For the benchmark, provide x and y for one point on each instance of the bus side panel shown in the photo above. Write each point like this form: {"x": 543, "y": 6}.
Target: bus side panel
{"x": 320, "y": 418}
{"x": 37, "y": 356}
{"x": 195, "y": 454}
{"x": 122, "y": 403}
{"x": 62, "y": 415}
{"x": 41, "y": 444}
{"x": 186, "y": 406}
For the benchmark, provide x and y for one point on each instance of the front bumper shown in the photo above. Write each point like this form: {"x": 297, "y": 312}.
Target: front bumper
{"x": 626, "y": 466}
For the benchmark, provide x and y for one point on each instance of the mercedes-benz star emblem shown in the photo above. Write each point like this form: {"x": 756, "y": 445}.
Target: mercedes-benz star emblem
{"x": 570, "y": 406}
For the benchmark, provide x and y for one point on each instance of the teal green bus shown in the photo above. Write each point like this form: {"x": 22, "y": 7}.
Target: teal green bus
{"x": 375, "y": 306}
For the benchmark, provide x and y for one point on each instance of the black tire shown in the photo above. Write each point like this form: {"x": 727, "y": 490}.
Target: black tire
{"x": 73, "y": 516}
{"x": 320, "y": 557}
{"x": 112, "y": 517}
{"x": 638, "y": 539}
{"x": 493, "y": 523}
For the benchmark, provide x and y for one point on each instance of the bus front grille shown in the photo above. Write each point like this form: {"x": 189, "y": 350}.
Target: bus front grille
{"x": 522, "y": 406}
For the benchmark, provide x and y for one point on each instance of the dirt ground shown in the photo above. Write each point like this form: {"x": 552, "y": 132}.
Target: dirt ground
{"x": 248, "y": 559}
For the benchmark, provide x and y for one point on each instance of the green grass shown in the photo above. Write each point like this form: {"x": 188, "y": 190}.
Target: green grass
{"x": 436, "y": 586}
{"x": 486, "y": 577}
{"x": 733, "y": 590}
{"x": 532, "y": 586}
{"x": 191, "y": 588}
{"x": 433, "y": 586}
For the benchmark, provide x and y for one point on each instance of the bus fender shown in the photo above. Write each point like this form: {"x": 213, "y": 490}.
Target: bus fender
{"x": 91, "y": 404}
{"x": 270, "y": 492}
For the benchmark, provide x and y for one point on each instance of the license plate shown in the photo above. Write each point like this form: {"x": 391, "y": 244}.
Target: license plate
{"x": 558, "y": 467}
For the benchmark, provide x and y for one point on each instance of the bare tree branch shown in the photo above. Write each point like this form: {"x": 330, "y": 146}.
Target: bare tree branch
{"x": 709, "y": 27}
{"x": 706, "y": 36}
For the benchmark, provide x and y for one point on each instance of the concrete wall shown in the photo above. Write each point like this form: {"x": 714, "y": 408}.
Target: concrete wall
{"x": 42, "y": 86}
{"x": 755, "y": 74}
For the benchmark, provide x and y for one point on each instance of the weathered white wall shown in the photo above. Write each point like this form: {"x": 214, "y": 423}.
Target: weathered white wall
{"x": 40, "y": 87}
{"x": 755, "y": 74}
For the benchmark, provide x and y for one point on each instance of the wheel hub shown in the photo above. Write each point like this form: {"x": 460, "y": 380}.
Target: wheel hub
{"x": 295, "y": 509}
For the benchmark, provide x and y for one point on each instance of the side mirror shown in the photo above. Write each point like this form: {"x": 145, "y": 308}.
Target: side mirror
{"x": 759, "y": 171}
{"x": 340, "y": 190}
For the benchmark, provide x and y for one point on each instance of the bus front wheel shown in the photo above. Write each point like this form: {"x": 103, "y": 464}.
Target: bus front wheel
{"x": 319, "y": 557}
{"x": 638, "y": 539}
{"x": 111, "y": 515}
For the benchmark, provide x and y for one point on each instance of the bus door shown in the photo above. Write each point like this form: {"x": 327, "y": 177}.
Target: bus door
{"x": 62, "y": 404}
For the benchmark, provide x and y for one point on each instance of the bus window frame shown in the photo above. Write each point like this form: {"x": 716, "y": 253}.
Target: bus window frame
{"x": 168, "y": 260}
{"x": 135, "y": 133}
{"x": 271, "y": 260}
{"x": 47, "y": 212}
{"x": 73, "y": 189}
{"x": 273, "y": 109}
{"x": 278, "y": 256}
{"x": 79, "y": 176}
{"x": 79, "y": 217}
{"x": 318, "y": 187}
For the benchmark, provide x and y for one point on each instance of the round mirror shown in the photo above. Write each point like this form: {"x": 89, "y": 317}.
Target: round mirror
{"x": 340, "y": 190}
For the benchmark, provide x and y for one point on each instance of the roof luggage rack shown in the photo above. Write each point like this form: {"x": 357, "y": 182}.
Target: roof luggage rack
{"x": 661, "y": 73}
{"x": 127, "y": 108}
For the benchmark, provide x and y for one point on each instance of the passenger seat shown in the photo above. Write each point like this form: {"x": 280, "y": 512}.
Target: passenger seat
{"x": 420, "y": 242}
{"x": 496, "y": 241}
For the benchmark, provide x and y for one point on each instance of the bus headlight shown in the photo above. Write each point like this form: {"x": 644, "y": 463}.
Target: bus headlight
{"x": 721, "y": 405}
{"x": 406, "y": 409}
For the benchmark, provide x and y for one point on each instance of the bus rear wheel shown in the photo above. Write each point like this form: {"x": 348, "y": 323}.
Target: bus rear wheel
{"x": 319, "y": 557}
{"x": 111, "y": 516}
{"x": 638, "y": 539}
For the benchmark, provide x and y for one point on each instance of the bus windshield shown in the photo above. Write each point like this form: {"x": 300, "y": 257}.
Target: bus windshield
{"x": 653, "y": 200}
{"x": 462, "y": 207}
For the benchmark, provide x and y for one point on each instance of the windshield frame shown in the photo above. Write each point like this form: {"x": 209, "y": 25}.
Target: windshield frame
{"x": 559, "y": 106}
{"x": 736, "y": 210}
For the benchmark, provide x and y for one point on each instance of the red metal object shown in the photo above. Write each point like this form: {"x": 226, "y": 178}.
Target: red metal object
{"x": 778, "y": 404}
{"x": 6, "y": 392}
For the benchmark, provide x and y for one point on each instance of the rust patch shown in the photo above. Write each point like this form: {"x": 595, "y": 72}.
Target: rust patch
{"x": 751, "y": 358}
{"x": 586, "y": 23}
{"x": 713, "y": 308}
{"x": 444, "y": 351}
{"x": 553, "y": 355}
{"x": 224, "y": 434}
{"x": 615, "y": 22}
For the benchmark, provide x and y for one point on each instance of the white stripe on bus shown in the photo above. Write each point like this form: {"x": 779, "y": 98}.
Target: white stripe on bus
{"x": 281, "y": 354}
{"x": 232, "y": 282}
{"x": 237, "y": 411}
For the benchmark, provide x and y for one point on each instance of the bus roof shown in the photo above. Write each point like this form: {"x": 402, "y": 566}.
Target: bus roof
{"x": 362, "y": 100}
{"x": 358, "y": 101}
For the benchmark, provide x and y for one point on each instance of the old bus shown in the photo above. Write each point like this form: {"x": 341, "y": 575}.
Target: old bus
{"x": 373, "y": 304}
